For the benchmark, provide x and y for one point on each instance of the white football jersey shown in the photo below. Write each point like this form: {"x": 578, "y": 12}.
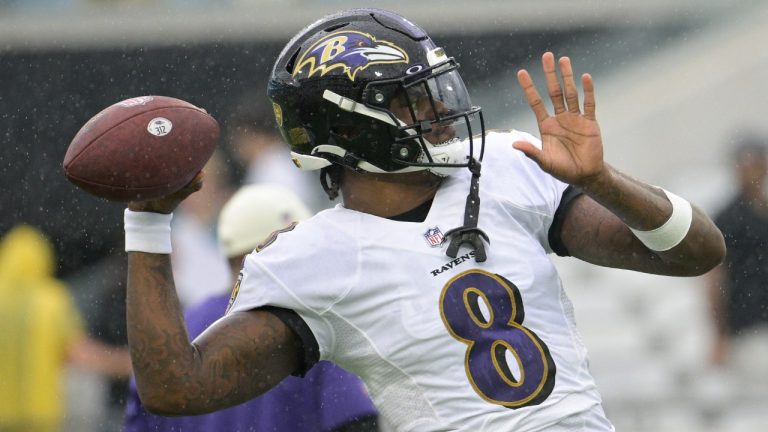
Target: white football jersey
{"x": 442, "y": 344}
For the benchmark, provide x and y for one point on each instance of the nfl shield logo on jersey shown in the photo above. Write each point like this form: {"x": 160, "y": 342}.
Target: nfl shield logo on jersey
{"x": 434, "y": 237}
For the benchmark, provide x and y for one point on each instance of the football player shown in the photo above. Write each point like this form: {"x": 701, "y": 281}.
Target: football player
{"x": 433, "y": 286}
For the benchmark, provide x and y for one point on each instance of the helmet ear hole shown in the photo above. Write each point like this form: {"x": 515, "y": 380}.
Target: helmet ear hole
{"x": 292, "y": 62}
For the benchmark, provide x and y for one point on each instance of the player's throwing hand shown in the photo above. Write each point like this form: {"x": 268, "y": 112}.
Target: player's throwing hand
{"x": 168, "y": 203}
{"x": 572, "y": 148}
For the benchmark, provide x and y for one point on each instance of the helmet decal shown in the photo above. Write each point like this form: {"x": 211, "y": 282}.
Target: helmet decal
{"x": 298, "y": 136}
{"x": 278, "y": 114}
{"x": 351, "y": 51}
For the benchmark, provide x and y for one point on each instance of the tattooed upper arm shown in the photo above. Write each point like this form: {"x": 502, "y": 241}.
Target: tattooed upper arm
{"x": 236, "y": 359}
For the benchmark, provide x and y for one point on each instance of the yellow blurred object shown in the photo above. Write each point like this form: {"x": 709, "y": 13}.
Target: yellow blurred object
{"x": 38, "y": 324}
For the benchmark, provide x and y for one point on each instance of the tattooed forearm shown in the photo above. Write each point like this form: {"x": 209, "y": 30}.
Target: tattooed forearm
{"x": 637, "y": 204}
{"x": 594, "y": 234}
{"x": 234, "y": 360}
{"x": 596, "y": 229}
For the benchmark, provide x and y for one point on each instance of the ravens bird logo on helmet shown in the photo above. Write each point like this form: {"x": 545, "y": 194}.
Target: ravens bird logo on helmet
{"x": 351, "y": 51}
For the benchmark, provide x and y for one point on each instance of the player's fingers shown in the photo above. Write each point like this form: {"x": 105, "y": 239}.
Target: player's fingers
{"x": 532, "y": 95}
{"x": 554, "y": 88}
{"x": 571, "y": 93}
{"x": 193, "y": 186}
{"x": 168, "y": 203}
{"x": 589, "y": 96}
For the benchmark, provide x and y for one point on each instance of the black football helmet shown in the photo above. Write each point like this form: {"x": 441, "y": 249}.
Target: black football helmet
{"x": 369, "y": 90}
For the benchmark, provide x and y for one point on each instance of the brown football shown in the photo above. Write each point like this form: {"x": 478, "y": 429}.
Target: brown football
{"x": 141, "y": 148}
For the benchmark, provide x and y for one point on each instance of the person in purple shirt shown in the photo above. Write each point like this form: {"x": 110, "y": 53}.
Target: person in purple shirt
{"x": 326, "y": 399}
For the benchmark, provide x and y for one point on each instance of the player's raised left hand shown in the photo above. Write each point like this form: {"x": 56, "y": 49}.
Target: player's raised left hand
{"x": 572, "y": 147}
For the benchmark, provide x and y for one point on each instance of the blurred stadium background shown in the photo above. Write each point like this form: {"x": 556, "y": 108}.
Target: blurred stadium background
{"x": 676, "y": 80}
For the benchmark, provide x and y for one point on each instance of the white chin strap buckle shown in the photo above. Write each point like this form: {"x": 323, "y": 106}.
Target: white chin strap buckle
{"x": 449, "y": 152}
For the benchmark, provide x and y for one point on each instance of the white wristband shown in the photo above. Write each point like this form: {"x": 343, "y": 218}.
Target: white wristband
{"x": 674, "y": 229}
{"x": 147, "y": 232}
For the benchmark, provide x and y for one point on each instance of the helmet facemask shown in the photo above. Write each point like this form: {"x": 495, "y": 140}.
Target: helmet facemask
{"x": 432, "y": 111}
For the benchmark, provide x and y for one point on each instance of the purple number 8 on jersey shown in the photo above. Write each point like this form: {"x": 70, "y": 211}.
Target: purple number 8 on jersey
{"x": 485, "y": 311}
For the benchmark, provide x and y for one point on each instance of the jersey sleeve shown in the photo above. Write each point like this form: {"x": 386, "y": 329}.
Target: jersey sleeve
{"x": 522, "y": 187}
{"x": 301, "y": 284}
{"x": 555, "y": 241}
{"x": 302, "y": 330}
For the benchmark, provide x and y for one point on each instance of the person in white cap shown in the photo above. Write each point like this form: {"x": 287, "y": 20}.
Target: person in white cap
{"x": 327, "y": 399}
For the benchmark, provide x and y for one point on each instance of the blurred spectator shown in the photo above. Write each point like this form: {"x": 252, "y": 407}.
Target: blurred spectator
{"x": 40, "y": 332}
{"x": 199, "y": 262}
{"x": 258, "y": 147}
{"x": 738, "y": 288}
{"x": 326, "y": 399}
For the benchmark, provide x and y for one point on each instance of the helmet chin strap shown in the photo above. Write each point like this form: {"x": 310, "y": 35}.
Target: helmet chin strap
{"x": 469, "y": 233}
{"x": 450, "y": 152}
